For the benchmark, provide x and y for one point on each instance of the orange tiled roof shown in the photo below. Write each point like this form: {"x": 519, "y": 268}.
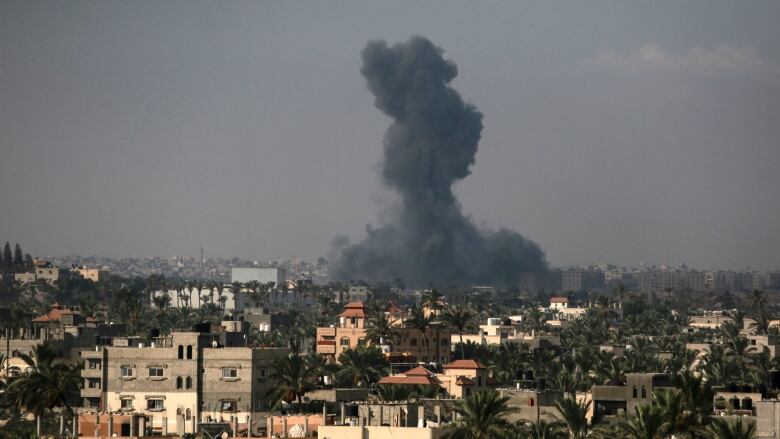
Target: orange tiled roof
{"x": 464, "y": 381}
{"x": 418, "y": 371}
{"x": 54, "y": 315}
{"x": 465, "y": 364}
{"x": 393, "y": 309}
{"x": 559, "y": 300}
{"x": 354, "y": 309}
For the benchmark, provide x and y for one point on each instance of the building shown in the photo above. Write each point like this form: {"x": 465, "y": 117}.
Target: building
{"x": 496, "y": 331}
{"x": 461, "y": 378}
{"x": 260, "y": 274}
{"x": 379, "y": 432}
{"x": 571, "y": 280}
{"x": 93, "y": 274}
{"x": 609, "y": 400}
{"x": 767, "y": 419}
{"x": 180, "y": 380}
{"x": 42, "y": 270}
{"x": 354, "y": 321}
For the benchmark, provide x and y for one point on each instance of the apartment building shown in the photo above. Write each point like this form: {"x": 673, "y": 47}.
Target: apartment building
{"x": 93, "y": 274}
{"x": 354, "y": 321}
{"x": 180, "y": 380}
{"x": 618, "y": 400}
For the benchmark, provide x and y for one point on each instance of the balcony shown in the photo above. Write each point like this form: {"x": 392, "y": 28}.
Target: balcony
{"x": 326, "y": 349}
{"x": 91, "y": 373}
{"x": 90, "y": 393}
{"x": 326, "y": 342}
{"x": 326, "y": 332}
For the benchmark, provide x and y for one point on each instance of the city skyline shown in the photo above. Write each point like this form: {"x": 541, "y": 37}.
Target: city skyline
{"x": 611, "y": 133}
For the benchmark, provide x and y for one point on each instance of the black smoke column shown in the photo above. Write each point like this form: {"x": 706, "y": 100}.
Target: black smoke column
{"x": 429, "y": 146}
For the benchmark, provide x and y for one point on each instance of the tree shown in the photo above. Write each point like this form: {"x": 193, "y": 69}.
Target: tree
{"x": 362, "y": 366}
{"x": 418, "y": 320}
{"x": 542, "y": 430}
{"x": 8, "y": 257}
{"x": 18, "y": 256}
{"x": 458, "y": 316}
{"x": 724, "y": 429}
{"x": 382, "y": 331}
{"x": 648, "y": 422}
{"x": 47, "y": 385}
{"x": 433, "y": 300}
{"x": 294, "y": 378}
{"x": 573, "y": 414}
{"x": 481, "y": 416}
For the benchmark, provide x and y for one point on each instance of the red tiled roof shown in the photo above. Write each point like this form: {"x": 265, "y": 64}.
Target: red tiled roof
{"x": 464, "y": 381}
{"x": 392, "y": 309}
{"x": 354, "y": 309}
{"x": 465, "y": 364}
{"x": 54, "y": 315}
{"x": 418, "y": 371}
{"x": 559, "y": 300}
{"x": 409, "y": 380}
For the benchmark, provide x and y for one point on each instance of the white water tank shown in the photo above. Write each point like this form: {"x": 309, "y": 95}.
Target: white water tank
{"x": 494, "y": 321}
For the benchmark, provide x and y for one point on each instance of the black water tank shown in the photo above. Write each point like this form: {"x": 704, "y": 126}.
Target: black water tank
{"x": 747, "y": 404}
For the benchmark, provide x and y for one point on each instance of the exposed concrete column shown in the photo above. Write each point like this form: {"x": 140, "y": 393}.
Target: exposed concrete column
{"x": 269, "y": 421}
{"x": 306, "y": 426}
{"x": 421, "y": 415}
{"x": 133, "y": 427}
{"x": 165, "y": 426}
{"x": 343, "y": 412}
{"x": 284, "y": 426}
{"x": 97, "y": 424}
{"x": 142, "y": 426}
{"x": 181, "y": 425}
{"x": 249, "y": 425}
{"x": 75, "y": 426}
{"x": 234, "y": 422}
{"x": 62, "y": 424}
{"x": 381, "y": 414}
{"x": 110, "y": 426}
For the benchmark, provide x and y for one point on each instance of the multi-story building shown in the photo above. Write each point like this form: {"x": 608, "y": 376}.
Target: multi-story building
{"x": 571, "y": 280}
{"x": 260, "y": 274}
{"x": 611, "y": 400}
{"x": 180, "y": 380}
{"x": 354, "y": 321}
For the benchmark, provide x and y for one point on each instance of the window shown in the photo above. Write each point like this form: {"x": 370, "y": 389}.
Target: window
{"x": 644, "y": 392}
{"x": 228, "y": 405}
{"x": 93, "y": 383}
{"x": 189, "y": 382}
{"x": 229, "y": 372}
{"x": 412, "y": 342}
{"x": 633, "y": 392}
{"x": 444, "y": 342}
{"x": 261, "y": 372}
{"x": 479, "y": 381}
{"x": 189, "y": 352}
{"x": 188, "y": 414}
{"x": 155, "y": 404}
{"x": 127, "y": 372}
{"x": 178, "y": 383}
{"x": 344, "y": 341}
{"x": 181, "y": 352}
{"x": 361, "y": 342}
{"x": 126, "y": 404}
{"x": 155, "y": 372}
{"x": 14, "y": 371}
{"x": 93, "y": 364}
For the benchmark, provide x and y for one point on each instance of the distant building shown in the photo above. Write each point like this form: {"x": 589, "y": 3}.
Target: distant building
{"x": 263, "y": 275}
{"x": 93, "y": 274}
{"x": 571, "y": 280}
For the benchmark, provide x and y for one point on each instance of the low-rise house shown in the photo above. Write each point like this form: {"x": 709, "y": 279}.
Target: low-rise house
{"x": 619, "y": 400}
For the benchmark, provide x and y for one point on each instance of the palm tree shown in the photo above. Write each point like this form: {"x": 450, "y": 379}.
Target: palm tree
{"x": 723, "y": 429}
{"x": 481, "y": 416}
{"x": 294, "y": 378}
{"x": 433, "y": 300}
{"x": 458, "y": 316}
{"x": 761, "y": 324}
{"x": 573, "y": 413}
{"x": 46, "y": 386}
{"x": 648, "y": 422}
{"x": 382, "y": 331}
{"x": 697, "y": 396}
{"x": 757, "y": 299}
{"x": 542, "y": 430}
{"x": 418, "y": 320}
{"x": 362, "y": 366}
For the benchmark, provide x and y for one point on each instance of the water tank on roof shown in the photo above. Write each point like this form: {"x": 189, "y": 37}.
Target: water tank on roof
{"x": 493, "y": 321}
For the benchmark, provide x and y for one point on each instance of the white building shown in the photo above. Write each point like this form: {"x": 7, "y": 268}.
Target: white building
{"x": 260, "y": 274}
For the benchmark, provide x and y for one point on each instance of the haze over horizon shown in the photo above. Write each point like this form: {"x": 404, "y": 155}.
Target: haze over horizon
{"x": 612, "y": 132}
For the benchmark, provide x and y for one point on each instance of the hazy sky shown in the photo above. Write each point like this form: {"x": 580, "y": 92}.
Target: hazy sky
{"x": 614, "y": 131}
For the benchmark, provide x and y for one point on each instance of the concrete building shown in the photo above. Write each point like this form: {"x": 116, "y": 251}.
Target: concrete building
{"x": 93, "y": 274}
{"x": 767, "y": 419}
{"x": 571, "y": 280}
{"x": 461, "y": 378}
{"x": 351, "y": 330}
{"x": 180, "y": 380}
{"x": 260, "y": 274}
{"x": 619, "y": 400}
{"x": 379, "y": 432}
{"x": 494, "y": 331}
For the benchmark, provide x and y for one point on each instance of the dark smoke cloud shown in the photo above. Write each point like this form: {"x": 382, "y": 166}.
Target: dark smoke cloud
{"x": 430, "y": 145}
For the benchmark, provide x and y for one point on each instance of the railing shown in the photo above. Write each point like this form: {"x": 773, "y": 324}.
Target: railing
{"x": 326, "y": 342}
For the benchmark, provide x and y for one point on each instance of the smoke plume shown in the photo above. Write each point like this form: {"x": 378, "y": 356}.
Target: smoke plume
{"x": 430, "y": 145}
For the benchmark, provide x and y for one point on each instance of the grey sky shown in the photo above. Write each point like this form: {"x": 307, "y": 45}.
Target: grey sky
{"x": 614, "y": 131}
